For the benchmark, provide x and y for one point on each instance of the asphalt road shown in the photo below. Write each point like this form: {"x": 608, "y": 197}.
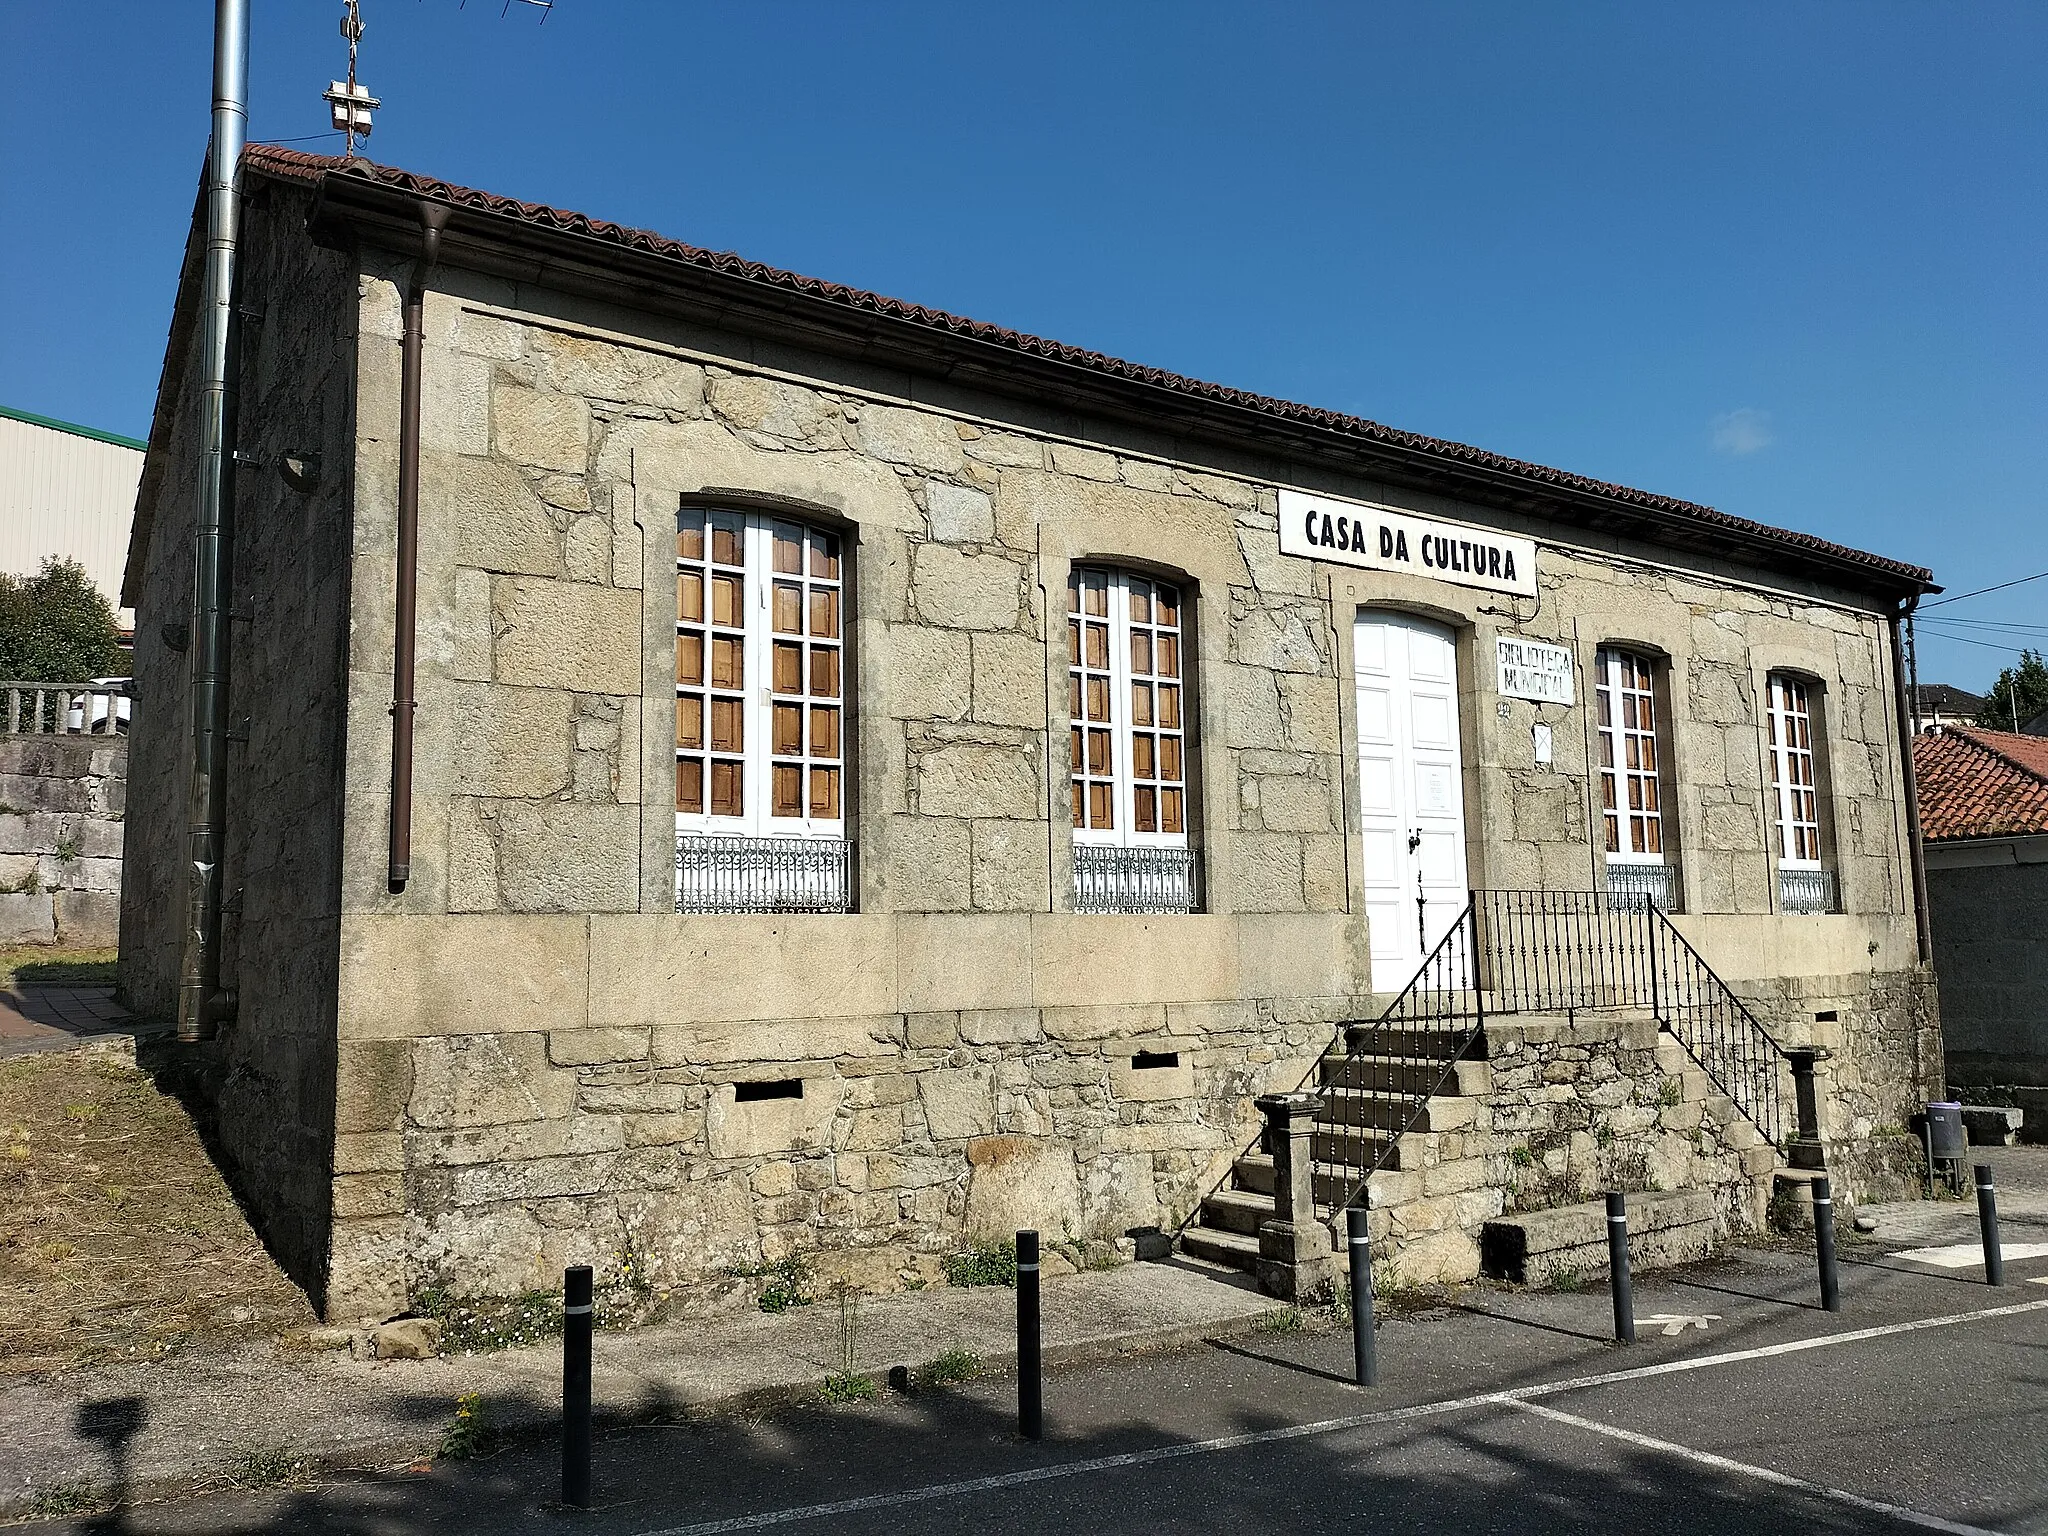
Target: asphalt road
{"x": 1514, "y": 1413}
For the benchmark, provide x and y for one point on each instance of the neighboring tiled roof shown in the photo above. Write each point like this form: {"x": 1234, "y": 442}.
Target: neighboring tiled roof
{"x": 296, "y": 165}
{"x": 1977, "y": 783}
{"x": 1945, "y": 696}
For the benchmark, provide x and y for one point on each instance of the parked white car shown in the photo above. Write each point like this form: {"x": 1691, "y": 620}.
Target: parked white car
{"x": 105, "y": 693}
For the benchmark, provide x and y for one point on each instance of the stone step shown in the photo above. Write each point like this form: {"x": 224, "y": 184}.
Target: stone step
{"x": 1232, "y": 1248}
{"x": 1358, "y": 1147}
{"x": 1253, "y": 1175}
{"x": 1392, "y": 1111}
{"x": 1401, "y": 1075}
{"x": 1433, "y": 1044}
{"x": 1237, "y": 1210}
{"x": 1665, "y": 1227}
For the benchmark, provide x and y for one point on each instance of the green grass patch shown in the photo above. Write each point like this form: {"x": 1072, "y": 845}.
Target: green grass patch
{"x": 994, "y": 1264}
{"x": 950, "y": 1366}
{"x": 847, "y": 1387}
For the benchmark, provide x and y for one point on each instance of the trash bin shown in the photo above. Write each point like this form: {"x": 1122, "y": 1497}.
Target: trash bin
{"x": 1946, "y": 1141}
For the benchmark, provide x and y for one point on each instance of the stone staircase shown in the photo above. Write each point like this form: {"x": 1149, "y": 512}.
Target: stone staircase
{"x": 1526, "y": 1101}
{"x": 1382, "y": 1071}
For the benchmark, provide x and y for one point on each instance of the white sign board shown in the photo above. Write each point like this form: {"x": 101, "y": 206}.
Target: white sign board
{"x": 1375, "y": 539}
{"x": 1530, "y": 669}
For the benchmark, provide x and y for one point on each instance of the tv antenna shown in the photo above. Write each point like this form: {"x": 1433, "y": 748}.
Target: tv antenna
{"x": 352, "y": 104}
{"x": 543, "y": 6}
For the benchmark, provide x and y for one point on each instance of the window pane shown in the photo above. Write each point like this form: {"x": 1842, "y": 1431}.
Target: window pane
{"x": 1098, "y": 753}
{"x": 725, "y": 601}
{"x": 1166, "y": 602}
{"x": 789, "y": 667}
{"x": 1098, "y": 647}
{"x": 1145, "y": 808}
{"x": 727, "y": 797}
{"x": 1074, "y": 753}
{"x": 1169, "y": 760}
{"x": 728, "y": 662}
{"x": 824, "y": 672}
{"x": 1098, "y": 806}
{"x": 824, "y": 731}
{"x": 1141, "y": 603}
{"x": 1142, "y": 763}
{"x": 1141, "y": 703}
{"x": 690, "y": 536}
{"x": 1141, "y": 652}
{"x": 789, "y": 730}
{"x": 690, "y": 785}
{"x": 1613, "y": 836}
{"x": 1653, "y": 836}
{"x": 689, "y": 720}
{"x": 825, "y": 555}
{"x": 1169, "y": 706}
{"x": 789, "y": 549}
{"x": 1073, "y": 698}
{"x": 788, "y": 798}
{"x": 689, "y": 658}
{"x": 1095, "y": 593}
{"x": 1073, "y": 592}
{"x": 825, "y": 612}
{"x": 726, "y": 549}
{"x": 789, "y": 609}
{"x": 689, "y": 597}
{"x": 825, "y": 793}
{"x": 1169, "y": 656}
{"x": 1077, "y": 791}
{"x": 1098, "y": 698}
{"x": 728, "y": 726}
{"x": 1073, "y": 645}
{"x": 1171, "y": 818}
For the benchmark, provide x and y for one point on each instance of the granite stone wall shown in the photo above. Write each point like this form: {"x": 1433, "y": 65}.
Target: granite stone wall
{"x": 62, "y": 804}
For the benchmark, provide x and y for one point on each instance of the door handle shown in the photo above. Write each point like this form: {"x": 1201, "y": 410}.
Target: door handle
{"x": 1414, "y": 840}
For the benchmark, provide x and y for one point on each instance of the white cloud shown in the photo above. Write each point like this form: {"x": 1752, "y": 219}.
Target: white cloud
{"x": 1742, "y": 431}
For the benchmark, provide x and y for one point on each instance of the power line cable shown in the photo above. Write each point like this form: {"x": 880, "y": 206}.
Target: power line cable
{"x": 1944, "y": 602}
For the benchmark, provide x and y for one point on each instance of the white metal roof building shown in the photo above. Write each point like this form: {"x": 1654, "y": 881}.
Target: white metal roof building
{"x": 70, "y": 491}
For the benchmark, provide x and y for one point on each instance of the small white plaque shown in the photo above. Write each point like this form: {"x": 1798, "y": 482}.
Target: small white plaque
{"x": 1542, "y": 737}
{"x": 1532, "y": 669}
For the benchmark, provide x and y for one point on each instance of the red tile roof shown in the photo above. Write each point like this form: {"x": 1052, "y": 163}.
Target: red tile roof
{"x": 1976, "y": 783}
{"x": 296, "y": 165}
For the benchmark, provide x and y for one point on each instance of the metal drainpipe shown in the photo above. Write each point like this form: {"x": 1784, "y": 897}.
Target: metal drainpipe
{"x": 201, "y": 1003}
{"x": 1914, "y": 851}
{"x": 433, "y": 218}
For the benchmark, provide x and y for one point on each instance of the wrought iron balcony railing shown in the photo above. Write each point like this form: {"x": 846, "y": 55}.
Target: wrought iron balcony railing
{"x": 1135, "y": 880}
{"x": 1653, "y": 885}
{"x": 1806, "y": 890}
{"x": 763, "y": 874}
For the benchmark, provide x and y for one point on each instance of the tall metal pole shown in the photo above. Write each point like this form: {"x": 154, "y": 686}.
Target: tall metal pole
{"x": 199, "y": 1006}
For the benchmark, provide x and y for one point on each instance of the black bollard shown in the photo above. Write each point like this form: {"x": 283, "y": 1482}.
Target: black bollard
{"x": 1030, "y": 1389}
{"x": 1824, "y": 1244}
{"x": 1987, "y": 1223}
{"x": 1617, "y": 1267}
{"x": 1364, "y": 1362}
{"x": 576, "y": 1326}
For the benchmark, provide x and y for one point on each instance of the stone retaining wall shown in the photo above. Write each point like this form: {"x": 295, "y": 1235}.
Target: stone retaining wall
{"x": 63, "y": 800}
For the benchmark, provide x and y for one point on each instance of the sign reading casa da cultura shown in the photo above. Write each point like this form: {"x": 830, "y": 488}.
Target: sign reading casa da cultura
{"x": 1376, "y": 539}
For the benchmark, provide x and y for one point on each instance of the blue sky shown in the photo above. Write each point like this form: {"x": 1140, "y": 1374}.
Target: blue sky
{"x": 1785, "y": 259}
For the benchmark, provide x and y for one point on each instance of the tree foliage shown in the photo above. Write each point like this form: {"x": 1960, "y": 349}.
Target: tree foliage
{"x": 2019, "y": 694}
{"x": 56, "y": 627}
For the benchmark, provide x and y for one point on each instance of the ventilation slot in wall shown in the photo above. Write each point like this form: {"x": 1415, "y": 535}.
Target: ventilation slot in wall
{"x": 1826, "y": 1016}
{"x": 780, "y": 1088}
{"x": 1145, "y": 1059}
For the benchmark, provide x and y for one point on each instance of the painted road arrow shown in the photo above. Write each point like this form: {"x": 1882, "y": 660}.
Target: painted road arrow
{"x": 1676, "y": 1323}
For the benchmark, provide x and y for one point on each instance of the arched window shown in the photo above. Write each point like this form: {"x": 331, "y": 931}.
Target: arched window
{"x": 1128, "y": 745}
{"x": 1804, "y": 885}
{"x": 1631, "y": 776}
{"x": 760, "y": 713}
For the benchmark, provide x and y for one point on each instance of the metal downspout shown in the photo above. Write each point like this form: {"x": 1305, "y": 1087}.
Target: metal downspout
{"x": 433, "y": 218}
{"x": 201, "y": 1004}
{"x": 1914, "y": 851}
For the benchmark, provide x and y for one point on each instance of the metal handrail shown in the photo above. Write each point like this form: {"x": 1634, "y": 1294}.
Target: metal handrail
{"x": 1720, "y": 1033}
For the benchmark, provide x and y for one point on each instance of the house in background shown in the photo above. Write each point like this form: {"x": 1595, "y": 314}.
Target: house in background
{"x": 879, "y": 780}
{"x": 67, "y": 491}
{"x": 1984, "y": 814}
{"x": 1942, "y": 704}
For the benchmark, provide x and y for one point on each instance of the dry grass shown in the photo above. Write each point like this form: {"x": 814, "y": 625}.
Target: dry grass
{"x": 118, "y": 1239}
{"x": 35, "y": 966}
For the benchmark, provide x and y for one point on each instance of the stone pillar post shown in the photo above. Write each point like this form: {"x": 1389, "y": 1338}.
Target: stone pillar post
{"x": 1295, "y": 1261}
{"x": 1806, "y": 1150}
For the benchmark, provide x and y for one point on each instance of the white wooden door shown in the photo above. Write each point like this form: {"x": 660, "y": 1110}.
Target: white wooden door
{"x": 1411, "y": 789}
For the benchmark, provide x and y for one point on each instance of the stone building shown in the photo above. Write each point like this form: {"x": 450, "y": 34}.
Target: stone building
{"x": 1984, "y": 814}
{"x": 879, "y": 780}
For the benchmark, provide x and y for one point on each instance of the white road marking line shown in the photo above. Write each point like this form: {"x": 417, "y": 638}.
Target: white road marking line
{"x": 1513, "y": 1396}
{"x": 1761, "y": 1474}
{"x": 1968, "y": 1255}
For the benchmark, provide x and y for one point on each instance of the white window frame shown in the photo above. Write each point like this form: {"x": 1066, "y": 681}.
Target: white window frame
{"x": 1121, "y": 728}
{"x": 1790, "y": 706}
{"x": 757, "y": 754}
{"x": 1610, "y": 688}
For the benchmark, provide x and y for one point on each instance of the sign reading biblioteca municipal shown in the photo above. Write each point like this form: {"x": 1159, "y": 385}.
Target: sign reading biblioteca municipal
{"x": 1374, "y": 539}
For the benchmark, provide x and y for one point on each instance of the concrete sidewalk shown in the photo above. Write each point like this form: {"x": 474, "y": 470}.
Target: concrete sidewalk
{"x": 195, "y": 1422}
{"x": 35, "y": 1019}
